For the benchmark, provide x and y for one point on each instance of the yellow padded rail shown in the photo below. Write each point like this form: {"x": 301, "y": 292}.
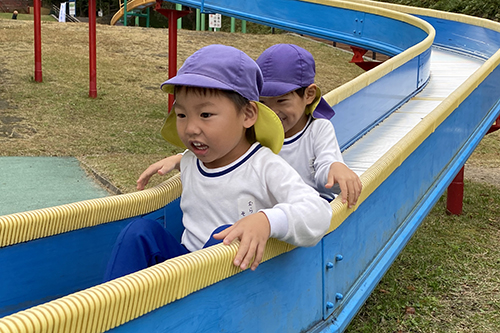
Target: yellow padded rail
{"x": 26, "y": 226}
{"x": 350, "y": 88}
{"x": 383, "y": 168}
{"x": 108, "y": 305}
{"x": 480, "y": 22}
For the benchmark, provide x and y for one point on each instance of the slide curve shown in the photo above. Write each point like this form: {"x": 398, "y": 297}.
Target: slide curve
{"x": 134, "y": 4}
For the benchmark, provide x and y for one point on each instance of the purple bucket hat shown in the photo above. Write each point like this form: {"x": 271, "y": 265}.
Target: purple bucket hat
{"x": 219, "y": 67}
{"x": 225, "y": 68}
{"x": 288, "y": 67}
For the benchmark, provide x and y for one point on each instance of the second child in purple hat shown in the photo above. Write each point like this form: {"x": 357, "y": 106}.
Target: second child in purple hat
{"x": 310, "y": 145}
{"x": 234, "y": 186}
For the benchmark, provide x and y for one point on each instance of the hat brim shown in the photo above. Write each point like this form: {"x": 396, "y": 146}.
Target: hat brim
{"x": 273, "y": 89}
{"x": 320, "y": 108}
{"x": 193, "y": 80}
{"x": 268, "y": 129}
{"x": 323, "y": 110}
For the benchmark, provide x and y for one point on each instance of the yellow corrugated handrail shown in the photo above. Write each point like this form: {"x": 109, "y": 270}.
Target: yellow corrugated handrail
{"x": 350, "y": 88}
{"x": 111, "y": 304}
{"x": 26, "y": 226}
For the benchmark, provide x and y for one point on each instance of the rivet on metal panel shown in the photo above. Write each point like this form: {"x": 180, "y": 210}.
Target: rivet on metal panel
{"x": 339, "y": 257}
{"x": 339, "y": 296}
{"x": 329, "y": 265}
{"x": 329, "y": 305}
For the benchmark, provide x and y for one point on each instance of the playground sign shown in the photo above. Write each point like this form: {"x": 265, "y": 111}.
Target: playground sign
{"x": 72, "y": 8}
{"x": 214, "y": 21}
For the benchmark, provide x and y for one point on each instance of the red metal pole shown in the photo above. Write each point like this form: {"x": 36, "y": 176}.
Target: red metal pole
{"x": 92, "y": 50}
{"x": 172, "y": 51}
{"x": 38, "y": 40}
{"x": 454, "y": 201}
{"x": 495, "y": 126}
{"x": 172, "y": 16}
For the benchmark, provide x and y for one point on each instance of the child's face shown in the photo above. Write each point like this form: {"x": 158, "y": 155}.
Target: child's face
{"x": 211, "y": 126}
{"x": 290, "y": 108}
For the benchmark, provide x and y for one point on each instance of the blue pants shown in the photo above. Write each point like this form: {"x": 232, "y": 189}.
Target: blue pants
{"x": 144, "y": 243}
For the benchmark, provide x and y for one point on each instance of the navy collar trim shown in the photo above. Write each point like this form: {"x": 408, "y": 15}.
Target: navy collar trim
{"x": 299, "y": 135}
{"x": 228, "y": 170}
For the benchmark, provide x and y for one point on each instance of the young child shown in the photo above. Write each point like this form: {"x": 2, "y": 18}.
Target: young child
{"x": 310, "y": 145}
{"x": 232, "y": 178}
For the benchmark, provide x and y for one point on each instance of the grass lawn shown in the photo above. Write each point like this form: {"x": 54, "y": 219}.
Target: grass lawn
{"x": 26, "y": 17}
{"x": 446, "y": 279}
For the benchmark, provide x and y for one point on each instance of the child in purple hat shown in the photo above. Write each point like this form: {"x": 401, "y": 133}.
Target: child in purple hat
{"x": 234, "y": 186}
{"x": 310, "y": 145}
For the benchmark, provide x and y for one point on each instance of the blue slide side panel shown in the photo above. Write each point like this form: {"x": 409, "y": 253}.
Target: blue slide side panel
{"x": 44, "y": 269}
{"x": 464, "y": 37}
{"x": 385, "y": 221}
{"x": 374, "y": 32}
{"x": 282, "y": 295}
{"x": 424, "y": 68}
{"x": 360, "y": 112}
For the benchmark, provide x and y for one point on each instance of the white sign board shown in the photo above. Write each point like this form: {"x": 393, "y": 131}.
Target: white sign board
{"x": 62, "y": 12}
{"x": 72, "y": 8}
{"x": 214, "y": 20}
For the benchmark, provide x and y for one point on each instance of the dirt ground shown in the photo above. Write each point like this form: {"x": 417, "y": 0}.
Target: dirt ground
{"x": 481, "y": 174}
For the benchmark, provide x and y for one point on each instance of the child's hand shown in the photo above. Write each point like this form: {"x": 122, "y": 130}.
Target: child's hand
{"x": 253, "y": 232}
{"x": 161, "y": 167}
{"x": 348, "y": 180}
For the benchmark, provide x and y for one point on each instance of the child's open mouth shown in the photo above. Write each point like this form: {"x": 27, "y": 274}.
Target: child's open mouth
{"x": 198, "y": 146}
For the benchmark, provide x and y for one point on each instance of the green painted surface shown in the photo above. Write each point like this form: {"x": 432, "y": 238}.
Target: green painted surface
{"x": 28, "y": 183}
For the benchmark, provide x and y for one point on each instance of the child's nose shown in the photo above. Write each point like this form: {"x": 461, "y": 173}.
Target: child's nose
{"x": 192, "y": 127}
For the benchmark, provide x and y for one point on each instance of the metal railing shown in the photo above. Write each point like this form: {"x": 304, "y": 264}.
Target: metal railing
{"x": 69, "y": 18}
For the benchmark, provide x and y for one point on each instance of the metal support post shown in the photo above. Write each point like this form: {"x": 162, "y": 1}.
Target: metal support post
{"x": 454, "y": 200}
{"x": 179, "y": 21}
{"x": 92, "y": 50}
{"x": 38, "y": 40}
{"x": 125, "y": 12}
{"x": 172, "y": 16}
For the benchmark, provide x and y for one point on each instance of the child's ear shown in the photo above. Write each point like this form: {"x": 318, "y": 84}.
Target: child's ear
{"x": 310, "y": 93}
{"x": 251, "y": 112}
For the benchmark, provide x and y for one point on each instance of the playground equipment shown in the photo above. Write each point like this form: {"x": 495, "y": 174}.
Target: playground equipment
{"x": 406, "y": 126}
{"x": 136, "y": 8}
{"x": 133, "y": 8}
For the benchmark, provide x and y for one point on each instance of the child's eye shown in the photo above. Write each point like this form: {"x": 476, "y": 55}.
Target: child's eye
{"x": 181, "y": 115}
{"x": 205, "y": 115}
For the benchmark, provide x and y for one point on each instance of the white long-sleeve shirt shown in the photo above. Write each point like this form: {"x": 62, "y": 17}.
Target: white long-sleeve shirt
{"x": 312, "y": 151}
{"x": 258, "y": 181}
